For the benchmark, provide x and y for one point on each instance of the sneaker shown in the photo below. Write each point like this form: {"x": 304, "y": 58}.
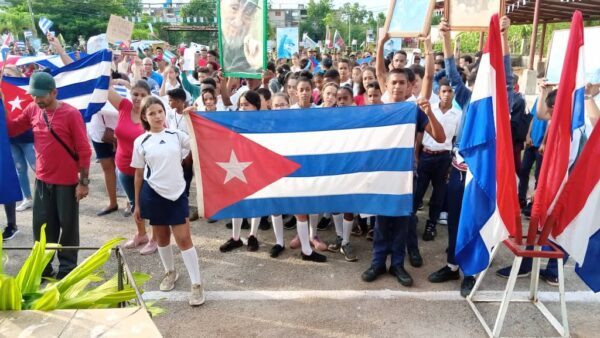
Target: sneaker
{"x": 372, "y": 273}
{"x": 26, "y": 204}
{"x": 252, "y": 243}
{"x": 231, "y": 244}
{"x": 401, "y": 275}
{"x": 290, "y": 224}
{"x": 197, "y": 295}
{"x": 318, "y": 244}
{"x": 443, "y": 219}
{"x": 443, "y": 275}
{"x": 467, "y": 285}
{"x": 276, "y": 250}
{"x": 548, "y": 278}
{"x": 356, "y": 230}
{"x": 370, "y": 235}
{"x": 505, "y": 272}
{"x": 149, "y": 248}
{"x": 348, "y": 253}
{"x": 314, "y": 257}
{"x": 9, "y": 232}
{"x": 295, "y": 242}
{"x": 335, "y": 247}
{"x": 324, "y": 224}
{"x": 136, "y": 241}
{"x": 168, "y": 281}
{"x": 430, "y": 232}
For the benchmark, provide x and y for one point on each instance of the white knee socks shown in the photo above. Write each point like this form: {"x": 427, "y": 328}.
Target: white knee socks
{"x": 337, "y": 221}
{"x": 166, "y": 256}
{"x": 347, "y": 228}
{"x": 313, "y": 220}
{"x": 254, "y": 222}
{"x": 302, "y": 228}
{"x": 190, "y": 259}
{"x": 236, "y": 227}
{"x": 278, "y": 229}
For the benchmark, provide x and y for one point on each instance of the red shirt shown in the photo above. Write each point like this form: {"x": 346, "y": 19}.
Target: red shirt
{"x": 359, "y": 100}
{"x": 53, "y": 163}
{"x": 126, "y": 132}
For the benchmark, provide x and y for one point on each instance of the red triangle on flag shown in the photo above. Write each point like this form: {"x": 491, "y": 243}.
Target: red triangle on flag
{"x": 232, "y": 166}
{"x": 15, "y": 99}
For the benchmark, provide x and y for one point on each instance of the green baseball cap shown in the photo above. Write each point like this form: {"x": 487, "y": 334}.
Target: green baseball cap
{"x": 41, "y": 84}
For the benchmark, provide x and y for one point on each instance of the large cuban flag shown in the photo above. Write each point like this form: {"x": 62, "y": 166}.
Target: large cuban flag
{"x": 577, "y": 228}
{"x": 568, "y": 115}
{"x": 9, "y": 181}
{"x": 82, "y": 84}
{"x": 305, "y": 161}
{"x": 490, "y": 204}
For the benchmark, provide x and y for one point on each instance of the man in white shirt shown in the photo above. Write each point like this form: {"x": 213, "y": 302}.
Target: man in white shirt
{"x": 435, "y": 159}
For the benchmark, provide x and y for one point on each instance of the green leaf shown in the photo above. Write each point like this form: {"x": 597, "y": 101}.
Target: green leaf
{"x": 29, "y": 277}
{"x": 48, "y": 301}
{"x": 10, "y": 294}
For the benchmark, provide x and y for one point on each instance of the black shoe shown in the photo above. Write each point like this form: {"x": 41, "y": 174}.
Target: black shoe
{"x": 527, "y": 210}
{"x": 231, "y": 244}
{"x": 467, "y": 285}
{"x": 290, "y": 224}
{"x": 62, "y": 274}
{"x": 402, "y": 275}
{"x": 443, "y": 275}
{"x": 48, "y": 272}
{"x": 107, "y": 211}
{"x": 370, "y": 235}
{"x": 415, "y": 259}
{"x": 324, "y": 224}
{"x": 264, "y": 223}
{"x": 9, "y": 232}
{"x": 430, "y": 232}
{"x": 252, "y": 243}
{"x": 314, "y": 257}
{"x": 276, "y": 250}
{"x": 211, "y": 221}
{"x": 372, "y": 273}
{"x": 420, "y": 207}
{"x": 229, "y": 225}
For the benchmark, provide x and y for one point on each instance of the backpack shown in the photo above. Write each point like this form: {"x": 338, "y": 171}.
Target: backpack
{"x": 519, "y": 119}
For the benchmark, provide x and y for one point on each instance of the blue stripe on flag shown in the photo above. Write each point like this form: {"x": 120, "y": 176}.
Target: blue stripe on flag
{"x": 578, "y": 108}
{"x": 82, "y": 88}
{"x": 590, "y": 271}
{"x": 322, "y": 119}
{"x": 91, "y": 60}
{"x": 397, "y": 159}
{"x": 9, "y": 182}
{"x": 386, "y": 205}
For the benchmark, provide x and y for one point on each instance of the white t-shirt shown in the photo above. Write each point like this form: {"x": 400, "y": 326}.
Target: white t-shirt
{"x": 100, "y": 121}
{"x": 385, "y": 98}
{"x": 176, "y": 121}
{"x": 449, "y": 121}
{"x": 160, "y": 154}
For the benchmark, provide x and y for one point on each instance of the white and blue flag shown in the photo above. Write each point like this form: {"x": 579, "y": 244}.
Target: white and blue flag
{"x": 45, "y": 25}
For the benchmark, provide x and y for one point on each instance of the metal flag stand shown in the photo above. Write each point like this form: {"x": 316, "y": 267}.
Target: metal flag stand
{"x": 504, "y": 298}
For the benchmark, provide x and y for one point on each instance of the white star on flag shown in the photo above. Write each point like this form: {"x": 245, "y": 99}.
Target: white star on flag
{"x": 16, "y": 103}
{"x": 234, "y": 168}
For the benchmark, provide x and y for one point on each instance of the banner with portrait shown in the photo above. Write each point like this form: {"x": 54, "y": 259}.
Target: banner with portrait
{"x": 287, "y": 42}
{"x": 242, "y": 28}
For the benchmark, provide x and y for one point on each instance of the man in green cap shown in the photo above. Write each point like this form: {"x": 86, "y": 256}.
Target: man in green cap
{"x": 62, "y": 166}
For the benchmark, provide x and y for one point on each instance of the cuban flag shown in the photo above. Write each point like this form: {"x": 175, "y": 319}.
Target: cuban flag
{"x": 577, "y": 228}
{"x": 9, "y": 181}
{"x": 51, "y": 62}
{"x": 305, "y": 161}
{"x": 490, "y": 205}
{"x": 83, "y": 84}
{"x": 568, "y": 114}
{"x": 45, "y": 25}
{"x": 308, "y": 42}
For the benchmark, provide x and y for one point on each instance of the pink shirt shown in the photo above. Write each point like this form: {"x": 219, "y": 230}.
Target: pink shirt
{"x": 126, "y": 132}
{"x": 53, "y": 163}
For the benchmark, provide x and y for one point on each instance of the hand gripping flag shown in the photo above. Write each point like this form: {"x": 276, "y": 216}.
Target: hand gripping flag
{"x": 9, "y": 182}
{"x": 577, "y": 227}
{"x": 82, "y": 84}
{"x": 568, "y": 114}
{"x": 490, "y": 205}
{"x": 304, "y": 161}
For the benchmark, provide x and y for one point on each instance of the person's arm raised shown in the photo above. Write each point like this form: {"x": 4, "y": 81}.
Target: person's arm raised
{"x": 380, "y": 70}
{"x": 427, "y": 86}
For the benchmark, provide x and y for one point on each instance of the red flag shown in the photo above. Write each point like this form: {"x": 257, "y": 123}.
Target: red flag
{"x": 328, "y": 40}
{"x": 554, "y": 170}
{"x": 338, "y": 41}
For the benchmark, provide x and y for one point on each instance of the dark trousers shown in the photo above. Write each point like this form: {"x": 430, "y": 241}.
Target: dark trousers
{"x": 411, "y": 242}
{"x": 517, "y": 149}
{"x": 11, "y": 214}
{"x": 57, "y": 207}
{"x": 188, "y": 174}
{"x": 531, "y": 156}
{"x": 432, "y": 169}
{"x": 388, "y": 239}
{"x": 455, "y": 191}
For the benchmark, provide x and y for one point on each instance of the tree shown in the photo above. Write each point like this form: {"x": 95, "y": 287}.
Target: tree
{"x": 316, "y": 12}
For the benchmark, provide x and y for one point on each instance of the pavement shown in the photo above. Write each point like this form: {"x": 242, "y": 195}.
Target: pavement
{"x": 251, "y": 294}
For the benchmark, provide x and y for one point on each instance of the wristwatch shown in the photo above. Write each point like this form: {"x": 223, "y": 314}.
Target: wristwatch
{"x": 84, "y": 181}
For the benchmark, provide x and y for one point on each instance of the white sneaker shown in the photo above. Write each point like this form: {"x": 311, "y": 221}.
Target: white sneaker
{"x": 197, "y": 295}
{"x": 26, "y": 204}
{"x": 168, "y": 282}
{"x": 443, "y": 220}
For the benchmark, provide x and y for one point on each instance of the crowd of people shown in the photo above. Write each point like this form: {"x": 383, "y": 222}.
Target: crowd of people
{"x": 140, "y": 138}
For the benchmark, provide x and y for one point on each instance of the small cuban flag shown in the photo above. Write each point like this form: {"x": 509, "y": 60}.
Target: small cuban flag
{"x": 45, "y": 25}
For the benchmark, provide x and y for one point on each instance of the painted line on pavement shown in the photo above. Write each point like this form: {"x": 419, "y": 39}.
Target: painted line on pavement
{"x": 266, "y": 295}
